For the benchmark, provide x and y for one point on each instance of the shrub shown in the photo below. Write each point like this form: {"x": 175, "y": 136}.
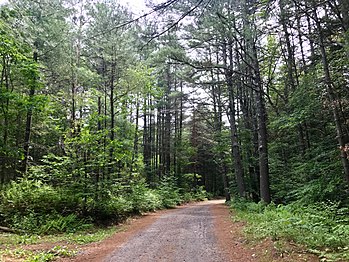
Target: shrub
{"x": 109, "y": 209}
{"x": 48, "y": 224}
{"x": 169, "y": 192}
{"x": 33, "y": 206}
{"x": 200, "y": 194}
{"x": 321, "y": 226}
{"x": 143, "y": 199}
{"x": 29, "y": 196}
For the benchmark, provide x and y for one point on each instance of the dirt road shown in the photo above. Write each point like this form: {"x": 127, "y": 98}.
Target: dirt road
{"x": 201, "y": 232}
{"x": 186, "y": 234}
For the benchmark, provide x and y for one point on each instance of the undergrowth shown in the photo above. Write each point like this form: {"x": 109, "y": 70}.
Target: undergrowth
{"x": 93, "y": 234}
{"x": 323, "y": 227}
{"x": 30, "y": 206}
{"x": 43, "y": 213}
{"x": 36, "y": 256}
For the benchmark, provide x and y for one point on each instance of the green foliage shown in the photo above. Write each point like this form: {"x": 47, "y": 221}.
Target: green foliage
{"x": 198, "y": 195}
{"x": 50, "y": 255}
{"x": 304, "y": 161}
{"x": 169, "y": 192}
{"x": 92, "y": 234}
{"x": 59, "y": 223}
{"x": 33, "y": 196}
{"x": 111, "y": 208}
{"x": 37, "y": 256}
{"x": 33, "y": 206}
{"x": 144, "y": 199}
{"x": 322, "y": 226}
{"x": 38, "y": 223}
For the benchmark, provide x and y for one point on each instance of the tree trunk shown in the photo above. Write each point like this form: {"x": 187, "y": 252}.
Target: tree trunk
{"x": 332, "y": 97}
{"x": 262, "y": 132}
{"x": 344, "y": 7}
{"x": 236, "y": 155}
{"x": 29, "y": 119}
{"x": 167, "y": 142}
{"x": 111, "y": 163}
{"x": 135, "y": 139}
{"x": 4, "y": 81}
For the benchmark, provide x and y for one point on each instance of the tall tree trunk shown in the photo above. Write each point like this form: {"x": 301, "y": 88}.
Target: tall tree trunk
{"x": 167, "y": 142}
{"x": 4, "y": 81}
{"x": 344, "y": 7}
{"x": 290, "y": 83}
{"x": 252, "y": 54}
{"x": 262, "y": 131}
{"x": 135, "y": 139}
{"x": 29, "y": 119}
{"x": 158, "y": 143}
{"x": 111, "y": 168}
{"x": 175, "y": 142}
{"x": 239, "y": 171}
{"x": 180, "y": 132}
{"x": 331, "y": 95}
{"x": 146, "y": 142}
{"x": 218, "y": 115}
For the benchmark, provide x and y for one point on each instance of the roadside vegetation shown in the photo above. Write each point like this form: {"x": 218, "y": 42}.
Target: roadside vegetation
{"x": 39, "y": 213}
{"x": 321, "y": 228}
{"x": 32, "y": 206}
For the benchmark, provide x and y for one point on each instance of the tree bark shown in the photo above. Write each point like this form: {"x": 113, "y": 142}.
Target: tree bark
{"x": 28, "y": 125}
{"x": 236, "y": 155}
{"x": 262, "y": 132}
{"x": 332, "y": 96}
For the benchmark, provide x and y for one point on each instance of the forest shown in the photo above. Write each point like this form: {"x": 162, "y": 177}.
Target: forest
{"x": 106, "y": 112}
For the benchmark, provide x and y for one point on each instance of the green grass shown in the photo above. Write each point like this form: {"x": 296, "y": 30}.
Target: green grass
{"x": 82, "y": 237}
{"x": 322, "y": 228}
{"x": 13, "y": 245}
{"x": 36, "y": 256}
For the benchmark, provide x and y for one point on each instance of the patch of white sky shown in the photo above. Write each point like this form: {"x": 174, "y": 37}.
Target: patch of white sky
{"x": 136, "y": 6}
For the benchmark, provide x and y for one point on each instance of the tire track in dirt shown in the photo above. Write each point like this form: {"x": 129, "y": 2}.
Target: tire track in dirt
{"x": 185, "y": 234}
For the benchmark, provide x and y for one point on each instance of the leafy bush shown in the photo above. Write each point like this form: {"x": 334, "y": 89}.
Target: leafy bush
{"x": 33, "y": 206}
{"x": 109, "y": 209}
{"x": 28, "y": 196}
{"x": 32, "y": 198}
{"x": 48, "y": 224}
{"x": 187, "y": 197}
{"x": 200, "y": 194}
{"x": 59, "y": 223}
{"x": 169, "y": 192}
{"x": 152, "y": 201}
{"x": 143, "y": 199}
{"x": 320, "y": 226}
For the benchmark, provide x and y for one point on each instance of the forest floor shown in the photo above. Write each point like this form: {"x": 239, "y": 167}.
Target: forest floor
{"x": 201, "y": 232}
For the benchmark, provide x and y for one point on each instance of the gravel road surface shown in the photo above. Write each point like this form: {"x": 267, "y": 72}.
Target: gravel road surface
{"x": 186, "y": 234}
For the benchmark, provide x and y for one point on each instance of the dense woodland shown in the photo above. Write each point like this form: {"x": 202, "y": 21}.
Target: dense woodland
{"x": 105, "y": 113}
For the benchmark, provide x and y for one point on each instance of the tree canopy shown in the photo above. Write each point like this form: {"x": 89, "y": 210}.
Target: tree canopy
{"x": 242, "y": 98}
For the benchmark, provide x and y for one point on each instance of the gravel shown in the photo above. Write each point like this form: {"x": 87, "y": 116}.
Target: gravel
{"x": 185, "y": 234}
